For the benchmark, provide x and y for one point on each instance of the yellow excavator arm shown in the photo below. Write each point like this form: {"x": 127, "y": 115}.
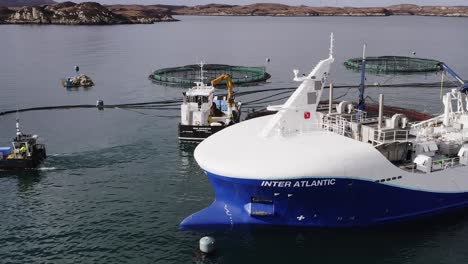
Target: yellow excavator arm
{"x": 230, "y": 86}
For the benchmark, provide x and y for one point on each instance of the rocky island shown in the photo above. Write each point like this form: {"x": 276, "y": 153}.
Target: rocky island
{"x": 144, "y": 13}
{"x": 91, "y": 13}
{"x": 286, "y": 10}
{"x": 87, "y": 13}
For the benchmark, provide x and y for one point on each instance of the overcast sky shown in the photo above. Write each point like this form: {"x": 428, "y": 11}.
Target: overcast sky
{"x": 289, "y": 2}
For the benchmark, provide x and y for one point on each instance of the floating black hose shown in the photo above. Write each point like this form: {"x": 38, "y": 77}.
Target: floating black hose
{"x": 170, "y": 104}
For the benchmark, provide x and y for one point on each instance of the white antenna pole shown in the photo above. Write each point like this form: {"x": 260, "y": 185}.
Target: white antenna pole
{"x": 202, "y": 77}
{"x": 332, "y": 40}
{"x": 364, "y": 51}
{"x": 18, "y": 131}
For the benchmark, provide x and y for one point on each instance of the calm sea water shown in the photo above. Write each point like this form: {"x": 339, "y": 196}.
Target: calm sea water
{"x": 117, "y": 182}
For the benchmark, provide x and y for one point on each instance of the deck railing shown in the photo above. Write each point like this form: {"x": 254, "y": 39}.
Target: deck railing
{"x": 381, "y": 136}
{"x": 443, "y": 164}
{"x": 359, "y": 116}
{"x": 437, "y": 165}
{"x": 337, "y": 124}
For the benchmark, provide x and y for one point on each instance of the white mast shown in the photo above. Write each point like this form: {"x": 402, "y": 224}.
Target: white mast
{"x": 18, "y": 131}
{"x": 202, "y": 77}
{"x": 297, "y": 114}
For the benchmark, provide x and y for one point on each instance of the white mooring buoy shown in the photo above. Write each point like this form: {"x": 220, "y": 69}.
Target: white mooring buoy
{"x": 207, "y": 244}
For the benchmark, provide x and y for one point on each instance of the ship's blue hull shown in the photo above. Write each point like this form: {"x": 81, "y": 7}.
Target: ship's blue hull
{"x": 318, "y": 202}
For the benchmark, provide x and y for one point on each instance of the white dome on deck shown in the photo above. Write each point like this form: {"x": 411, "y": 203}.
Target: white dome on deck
{"x": 240, "y": 152}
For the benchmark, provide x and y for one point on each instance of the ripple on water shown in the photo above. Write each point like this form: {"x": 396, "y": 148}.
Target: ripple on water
{"x": 118, "y": 183}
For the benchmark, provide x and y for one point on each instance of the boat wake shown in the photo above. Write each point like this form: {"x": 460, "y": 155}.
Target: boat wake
{"x": 46, "y": 168}
{"x": 57, "y": 155}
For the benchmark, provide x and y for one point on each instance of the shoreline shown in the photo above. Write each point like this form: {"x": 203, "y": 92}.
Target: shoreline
{"x": 86, "y": 13}
{"x": 307, "y": 11}
{"x": 91, "y": 13}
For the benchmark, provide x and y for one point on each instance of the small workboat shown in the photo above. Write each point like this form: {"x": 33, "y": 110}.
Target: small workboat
{"x": 203, "y": 113}
{"x": 24, "y": 153}
{"x": 77, "y": 81}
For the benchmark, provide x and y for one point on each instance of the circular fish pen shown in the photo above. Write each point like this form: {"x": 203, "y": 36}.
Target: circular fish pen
{"x": 395, "y": 64}
{"x": 185, "y": 76}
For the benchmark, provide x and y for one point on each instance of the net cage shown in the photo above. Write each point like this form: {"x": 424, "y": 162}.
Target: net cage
{"x": 395, "y": 64}
{"x": 186, "y": 75}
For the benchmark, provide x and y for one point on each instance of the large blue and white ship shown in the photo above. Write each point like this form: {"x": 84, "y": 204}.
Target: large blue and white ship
{"x": 335, "y": 165}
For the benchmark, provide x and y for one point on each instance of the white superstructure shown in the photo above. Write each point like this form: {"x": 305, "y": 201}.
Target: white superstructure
{"x": 303, "y": 140}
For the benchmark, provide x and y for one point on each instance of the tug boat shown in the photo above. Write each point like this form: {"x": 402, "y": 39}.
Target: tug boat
{"x": 203, "y": 113}
{"x": 341, "y": 166}
{"x": 25, "y": 152}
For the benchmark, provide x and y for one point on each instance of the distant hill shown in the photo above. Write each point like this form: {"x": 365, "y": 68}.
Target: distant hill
{"x": 15, "y": 3}
{"x": 269, "y": 9}
{"x": 86, "y": 13}
{"x": 92, "y": 13}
